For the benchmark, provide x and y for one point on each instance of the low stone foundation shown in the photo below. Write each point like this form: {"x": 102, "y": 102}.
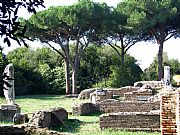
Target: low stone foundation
{"x": 139, "y": 95}
{"x": 84, "y": 109}
{"x": 115, "y": 106}
{"x": 120, "y": 91}
{"x": 152, "y": 84}
{"x": 85, "y": 94}
{"x": 7, "y": 112}
{"x": 131, "y": 121}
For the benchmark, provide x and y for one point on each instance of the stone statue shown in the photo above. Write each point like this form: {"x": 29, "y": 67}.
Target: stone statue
{"x": 8, "y": 87}
{"x": 166, "y": 75}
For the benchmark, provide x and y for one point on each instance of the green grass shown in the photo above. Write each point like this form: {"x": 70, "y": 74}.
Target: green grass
{"x": 82, "y": 125}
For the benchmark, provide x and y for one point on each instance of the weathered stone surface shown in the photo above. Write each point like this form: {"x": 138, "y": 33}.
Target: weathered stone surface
{"x": 41, "y": 119}
{"x": 130, "y": 121}
{"x": 111, "y": 106}
{"x": 85, "y": 94}
{"x": 97, "y": 96}
{"x": 10, "y": 130}
{"x": 153, "y": 84}
{"x": 84, "y": 109}
{"x": 170, "y": 114}
{"x": 120, "y": 91}
{"x": 114, "y": 106}
{"x": 20, "y": 118}
{"x": 136, "y": 95}
{"x": 25, "y": 129}
{"x": 58, "y": 115}
{"x": 49, "y": 118}
{"x": 9, "y": 92}
{"x": 7, "y": 112}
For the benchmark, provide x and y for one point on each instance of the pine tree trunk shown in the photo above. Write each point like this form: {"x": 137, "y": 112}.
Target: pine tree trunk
{"x": 122, "y": 53}
{"x": 122, "y": 56}
{"x": 160, "y": 61}
{"x": 74, "y": 80}
{"x": 67, "y": 76}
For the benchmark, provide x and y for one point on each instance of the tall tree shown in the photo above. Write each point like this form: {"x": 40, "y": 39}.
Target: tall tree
{"x": 119, "y": 31}
{"x": 157, "y": 22}
{"x": 77, "y": 23}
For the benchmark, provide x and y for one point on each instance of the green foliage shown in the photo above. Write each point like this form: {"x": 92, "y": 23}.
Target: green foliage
{"x": 151, "y": 72}
{"x": 125, "y": 76}
{"x": 36, "y": 71}
{"x": 94, "y": 66}
{"x": 116, "y": 75}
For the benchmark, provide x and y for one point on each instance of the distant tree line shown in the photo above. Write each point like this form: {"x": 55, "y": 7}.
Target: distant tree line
{"x": 41, "y": 71}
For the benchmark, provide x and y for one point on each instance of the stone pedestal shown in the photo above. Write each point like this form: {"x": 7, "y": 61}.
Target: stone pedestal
{"x": 7, "y": 112}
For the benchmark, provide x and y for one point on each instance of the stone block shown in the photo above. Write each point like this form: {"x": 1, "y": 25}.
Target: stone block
{"x": 7, "y": 112}
{"x": 41, "y": 119}
{"x": 48, "y": 118}
{"x": 20, "y": 118}
{"x": 58, "y": 115}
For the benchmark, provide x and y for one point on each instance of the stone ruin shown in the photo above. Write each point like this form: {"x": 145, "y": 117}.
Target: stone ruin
{"x": 133, "y": 107}
{"x": 7, "y": 111}
{"x": 49, "y": 118}
{"x": 139, "y": 108}
{"x": 38, "y": 123}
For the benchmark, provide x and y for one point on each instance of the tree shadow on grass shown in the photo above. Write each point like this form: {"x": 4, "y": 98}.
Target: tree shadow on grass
{"x": 73, "y": 125}
{"x": 70, "y": 125}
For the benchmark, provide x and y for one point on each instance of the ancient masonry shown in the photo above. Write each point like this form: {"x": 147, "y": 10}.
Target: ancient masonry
{"x": 143, "y": 121}
{"x": 170, "y": 114}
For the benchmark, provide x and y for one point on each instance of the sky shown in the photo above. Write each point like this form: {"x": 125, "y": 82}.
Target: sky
{"x": 144, "y": 52}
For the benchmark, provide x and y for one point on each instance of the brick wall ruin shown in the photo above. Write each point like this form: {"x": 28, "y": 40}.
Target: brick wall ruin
{"x": 85, "y": 94}
{"x": 153, "y": 84}
{"x": 120, "y": 91}
{"x": 108, "y": 106}
{"x": 130, "y": 121}
{"x": 138, "y": 95}
{"x": 114, "y": 106}
{"x": 170, "y": 114}
{"x": 84, "y": 108}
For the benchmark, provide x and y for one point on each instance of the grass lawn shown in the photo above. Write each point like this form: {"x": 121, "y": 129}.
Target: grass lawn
{"x": 83, "y": 125}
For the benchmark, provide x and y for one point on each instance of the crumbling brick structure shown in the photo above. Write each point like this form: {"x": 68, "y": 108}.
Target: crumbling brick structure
{"x": 131, "y": 121}
{"x": 170, "y": 113}
{"x": 114, "y": 106}
{"x": 138, "y": 95}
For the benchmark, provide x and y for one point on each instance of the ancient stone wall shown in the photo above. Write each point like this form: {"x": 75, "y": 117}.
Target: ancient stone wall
{"x": 120, "y": 91}
{"x": 138, "y": 95}
{"x": 85, "y": 94}
{"x": 130, "y": 121}
{"x": 152, "y": 84}
{"x": 84, "y": 109}
{"x": 109, "y": 106}
{"x": 114, "y": 106}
